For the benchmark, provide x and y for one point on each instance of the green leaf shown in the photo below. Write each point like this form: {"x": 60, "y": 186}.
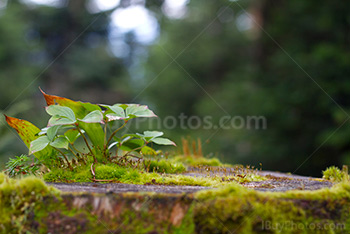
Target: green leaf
{"x": 146, "y": 150}
{"x": 60, "y": 142}
{"x": 43, "y": 131}
{"x": 52, "y": 131}
{"x": 28, "y": 133}
{"x": 114, "y": 112}
{"x": 118, "y": 110}
{"x": 81, "y": 109}
{"x": 95, "y": 116}
{"x": 38, "y": 144}
{"x": 90, "y": 107}
{"x": 72, "y": 135}
{"x": 133, "y": 111}
{"x": 132, "y": 144}
{"x": 57, "y": 120}
{"x": 162, "y": 141}
{"x": 62, "y": 111}
{"x": 152, "y": 133}
{"x": 149, "y": 135}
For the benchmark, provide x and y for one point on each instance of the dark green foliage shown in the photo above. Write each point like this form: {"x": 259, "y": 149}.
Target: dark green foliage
{"x": 58, "y": 48}
{"x": 246, "y": 73}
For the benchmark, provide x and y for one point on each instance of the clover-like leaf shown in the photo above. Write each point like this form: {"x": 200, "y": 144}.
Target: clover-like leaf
{"x": 38, "y": 144}
{"x": 80, "y": 109}
{"x": 58, "y": 120}
{"x": 134, "y": 111}
{"x": 60, "y": 142}
{"x": 95, "y": 116}
{"x": 114, "y": 112}
{"x": 62, "y": 111}
{"x": 52, "y": 131}
{"x": 162, "y": 141}
{"x": 148, "y": 135}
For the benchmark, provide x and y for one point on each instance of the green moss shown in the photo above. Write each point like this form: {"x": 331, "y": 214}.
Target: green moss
{"x": 83, "y": 176}
{"x": 106, "y": 172}
{"x": 231, "y": 208}
{"x": 136, "y": 176}
{"x": 242, "y": 210}
{"x": 334, "y": 174}
{"x": 59, "y": 175}
{"x": 18, "y": 199}
{"x": 198, "y": 161}
{"x": 2, "y": 177}
{"x": 131, "y": 176}
{"x": 164, "y": 166}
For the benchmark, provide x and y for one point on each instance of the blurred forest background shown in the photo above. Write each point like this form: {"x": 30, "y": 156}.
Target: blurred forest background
{"x": 286, "y": 60}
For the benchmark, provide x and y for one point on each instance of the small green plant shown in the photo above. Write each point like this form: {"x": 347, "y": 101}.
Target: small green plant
{"x": 21, "y": 165}
{"x": 55, "y": 145}
{"x": 334, "y": 174}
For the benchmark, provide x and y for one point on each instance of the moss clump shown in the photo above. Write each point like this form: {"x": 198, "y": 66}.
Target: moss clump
{"x": 334, "y": 174}
{"x": 2, "y": 177}
{"x": 113, "y": 172}
{"x": 198, "y": 161}
{"x": 241, "y": 210}
{"x": 62, "y": 175}
{"x": 29, "y": 206}
{"x": 164, "y": 166}
{"x": 19, "y": 198}
{"x": 106, "y": 172}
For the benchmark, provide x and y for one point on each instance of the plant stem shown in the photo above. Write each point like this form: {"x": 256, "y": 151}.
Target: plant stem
{"x": 75, "y": 148}
{"x": 86, "y": 142}
{"x": 73, "y": 153}
{"x": 113, "y": 134}
{"x": 134, "y": 150}
{"x": 65, "y": 157}
{"x": 105, "y": 139}
{"x": 92, "y": 170}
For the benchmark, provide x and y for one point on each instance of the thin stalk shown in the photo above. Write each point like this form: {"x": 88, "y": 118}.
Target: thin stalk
{"x": 134, "y": 150}
{"x": 72, "y": 145}
{"x": 113, "y": 134}
{"x": 92, "y": 168}
{"x": 73, "y": 153}
{"x": 132, "y": 155}
{"x": 87, "y": 143}
{"x": 65, "y": 157}
{"x": 105, "y": 139}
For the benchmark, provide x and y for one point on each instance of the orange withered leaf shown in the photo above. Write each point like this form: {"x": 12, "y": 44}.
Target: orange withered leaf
{"x": 28, "y": 132}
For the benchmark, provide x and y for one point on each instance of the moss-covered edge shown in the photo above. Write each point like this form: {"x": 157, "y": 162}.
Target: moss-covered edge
{"x": 29, "y": 206}
{"x": 234, "y": 209}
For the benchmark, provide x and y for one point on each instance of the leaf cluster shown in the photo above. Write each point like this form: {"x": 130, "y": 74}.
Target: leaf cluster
{"x": 55, "y": 144}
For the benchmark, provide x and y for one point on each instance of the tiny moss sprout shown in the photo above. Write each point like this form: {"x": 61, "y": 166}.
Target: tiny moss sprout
{"x": 334, "y": 174}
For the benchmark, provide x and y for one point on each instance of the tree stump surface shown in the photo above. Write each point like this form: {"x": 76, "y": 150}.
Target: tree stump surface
{"x": 276, "y": 182}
